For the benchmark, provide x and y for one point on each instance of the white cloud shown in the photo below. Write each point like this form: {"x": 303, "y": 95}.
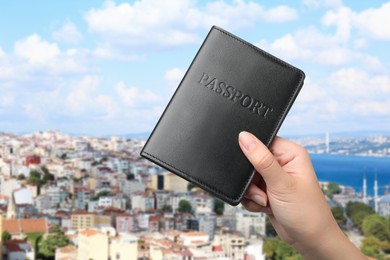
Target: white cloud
{"x": 311, "y": 93}
{"x": 7, "y": 100}
{"x": 321, "y": 3}
{"x": 34, "y": 112}
{"x": 313, "y": 46}
{"x": 341, "y": 100}
{"x": 356, "y": 83}
{"x": 174, "y": 76}
{"x": 80, "y": 97}
{"x": 85, "y": 99}
{"x": 36, "y": 58}
{"x": 369, "y": 108}
{"x": 68, "y": 34}
{"x": 152, "y": 22}
{"x": 36, "y": 50}
{"x": 174, "y": 22}
{"x": 132, "y": 96}
{"x": 372, "y": 22}
{"x": 109, "y": 53}
{"x": 2, "y": 53}
{"x": 108, "y": 104}
{"x": 342, "y": 18}
{"x": 240, "y": 14}
{"x": 375, "y": 22}
{"x": 149, "y": 96}
{"x": 128, "y": 95}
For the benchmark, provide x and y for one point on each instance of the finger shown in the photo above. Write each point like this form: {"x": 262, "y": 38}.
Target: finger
{"x": 286, "y": 151}
{"x": 261, "y": 158}
{"x": 254, "y": 207}
{"x": 257, "y": 195}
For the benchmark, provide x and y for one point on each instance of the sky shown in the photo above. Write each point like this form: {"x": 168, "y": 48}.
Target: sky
{"x": 111, "y": 67}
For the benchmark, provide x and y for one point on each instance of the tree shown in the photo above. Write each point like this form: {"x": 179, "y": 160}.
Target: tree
{"x": 166, "y": 208}
{"x": 338, "y": 214}
{"x": 101, "y": 194}
{"x": 275, "y": 248}
{"x": 375, "y": 225}
{"x": 48, "y": 246}
{"x": 355, "y": 207}
{"x": 5, "y": 236}
{"x": 64, "y": 156}
{"x": 47, "y": 177}
{"x": 35, "y": 178}
{"x": 334, "y": 188}
{"x": 372, "y": 246}
{"x": 185, "y": 206}
{"x": 190, "y": 186}
{"x": 357, "y": 218}
{"x": 357, "y": 211}
{"x": 219, "y": 206}
{"x": 21, "y": 177}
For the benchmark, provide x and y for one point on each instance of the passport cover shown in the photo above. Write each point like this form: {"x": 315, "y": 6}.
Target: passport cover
{"x": 230, "y": 86}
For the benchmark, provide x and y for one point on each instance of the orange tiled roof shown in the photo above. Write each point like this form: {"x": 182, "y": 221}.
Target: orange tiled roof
{"x": 34, "y": 225}
{"x": 4, "y": 197}
{"x": 67, "y": 249}
{"x": 89, "y": 232}
{"x": 15, "y": 226}
{"x": 193, "y": 234}
{"x": 11, "y": 225}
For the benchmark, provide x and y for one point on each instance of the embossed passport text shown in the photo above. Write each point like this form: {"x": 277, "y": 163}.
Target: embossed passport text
{"x": 230, "y": 86}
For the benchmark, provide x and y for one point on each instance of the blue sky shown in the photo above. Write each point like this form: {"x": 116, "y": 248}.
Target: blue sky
{"x": 110, "y": 67}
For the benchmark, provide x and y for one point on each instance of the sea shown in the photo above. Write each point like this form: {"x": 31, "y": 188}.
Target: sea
{"x": 350, "y": 170}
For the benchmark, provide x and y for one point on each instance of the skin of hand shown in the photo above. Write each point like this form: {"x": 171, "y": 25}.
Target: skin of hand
{"x": 286, "y": 188}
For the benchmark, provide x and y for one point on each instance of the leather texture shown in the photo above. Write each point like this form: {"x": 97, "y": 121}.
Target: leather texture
{"x": 197, "y": 135}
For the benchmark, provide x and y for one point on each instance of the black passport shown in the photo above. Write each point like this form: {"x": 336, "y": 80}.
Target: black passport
{"x": 230, "y": 86}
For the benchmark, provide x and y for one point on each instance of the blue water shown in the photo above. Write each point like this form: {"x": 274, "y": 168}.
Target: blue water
{"x": 350, "y": 170}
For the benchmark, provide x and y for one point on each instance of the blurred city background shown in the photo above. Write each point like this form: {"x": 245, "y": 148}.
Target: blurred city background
{"x": 84, "y": 82}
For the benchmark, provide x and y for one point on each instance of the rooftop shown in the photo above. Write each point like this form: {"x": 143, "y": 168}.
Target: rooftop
{"x": 16, "y": 226}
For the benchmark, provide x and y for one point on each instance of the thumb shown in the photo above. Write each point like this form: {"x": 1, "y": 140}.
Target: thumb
{"x": 261, "y": 158}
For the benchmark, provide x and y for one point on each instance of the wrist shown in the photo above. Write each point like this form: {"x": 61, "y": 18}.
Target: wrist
{"x": 332, "y": 243}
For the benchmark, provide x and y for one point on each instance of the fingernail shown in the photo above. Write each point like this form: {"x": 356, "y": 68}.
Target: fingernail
{"x": 247, "y": 140}
{"x": 259, "y": 200}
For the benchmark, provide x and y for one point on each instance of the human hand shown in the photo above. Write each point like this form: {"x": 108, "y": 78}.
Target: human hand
{"x": 287, "y": 189}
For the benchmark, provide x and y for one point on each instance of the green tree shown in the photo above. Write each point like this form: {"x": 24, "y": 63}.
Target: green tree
{"x": 21, "y": 177}
{"x": 190, "y": 186}
{"x": 54, "y": 240}
{"x": 338, "y": 214}
{"x": 47, "y": 177}
{"x": 101, "y": 194}
{"x": 372, "y": 246}
{"x": 35, "y": 178}
{"x": 275, "y": 248}
{"x": 375, "y": 225}
{"x": 166, "y": 208}
{"x": 357, "y": 218}
{"x": 333, "y": 188}
{"x": 64, "y": 156}
{"x": 94, "y": 163}
{"x": 357, "y": 211}
{"x": 5, "y": 236}
{"x": 185, "y": 206}
{"x": 219, "y": 206}
{"x": 355, "y": 207}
